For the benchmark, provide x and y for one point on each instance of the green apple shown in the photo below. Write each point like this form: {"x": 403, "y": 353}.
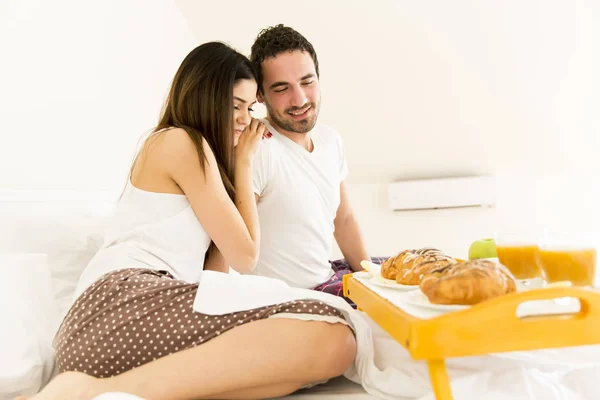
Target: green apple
{"x": 483, "y": 248}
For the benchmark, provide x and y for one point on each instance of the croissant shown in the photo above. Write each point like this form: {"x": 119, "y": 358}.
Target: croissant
{"x": 421, "y": 263}
{"x": 467, "y": 283}
{"x": 390, "y": 267}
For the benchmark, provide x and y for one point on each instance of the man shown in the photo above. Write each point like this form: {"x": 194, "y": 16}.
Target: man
{"x": 299, "y": 173}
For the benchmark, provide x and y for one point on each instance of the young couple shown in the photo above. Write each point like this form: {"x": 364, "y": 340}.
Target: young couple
{"x": 196, "y": 193}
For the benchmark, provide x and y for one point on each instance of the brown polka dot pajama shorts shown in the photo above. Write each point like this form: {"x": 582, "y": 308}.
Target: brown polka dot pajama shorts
{"x": 133, "y": 316}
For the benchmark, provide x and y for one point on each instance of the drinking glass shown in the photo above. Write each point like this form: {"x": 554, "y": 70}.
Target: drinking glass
{"x": 568, "y": 257}
{"x": 519, "y": 253}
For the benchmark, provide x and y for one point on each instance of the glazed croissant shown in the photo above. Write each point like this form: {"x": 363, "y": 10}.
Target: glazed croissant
{"x": 420, "y": 263}
{"x": 389, "y": 269}
{"x": 467, "y": 283}
{"x": 403, "y": 266}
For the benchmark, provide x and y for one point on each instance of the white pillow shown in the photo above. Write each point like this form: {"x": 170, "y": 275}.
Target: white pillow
{"x": 28, "y": 316}
{"x": 67, "y": 226}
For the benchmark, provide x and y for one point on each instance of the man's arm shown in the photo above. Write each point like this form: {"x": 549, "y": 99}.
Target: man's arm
{"x": 347, "y": 233}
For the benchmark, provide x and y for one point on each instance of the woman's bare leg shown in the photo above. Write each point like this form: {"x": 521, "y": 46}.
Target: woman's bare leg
{"x": 266, "y": 358}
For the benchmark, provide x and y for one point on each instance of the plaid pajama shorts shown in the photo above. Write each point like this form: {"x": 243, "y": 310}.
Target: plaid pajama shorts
{"x": 334, "y": 285}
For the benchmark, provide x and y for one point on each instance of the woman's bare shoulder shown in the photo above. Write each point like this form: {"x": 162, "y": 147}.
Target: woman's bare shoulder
{"x": 165, "y": 156}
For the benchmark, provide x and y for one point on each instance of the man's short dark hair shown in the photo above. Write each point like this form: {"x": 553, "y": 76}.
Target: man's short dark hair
{"x": 275, "y": 40}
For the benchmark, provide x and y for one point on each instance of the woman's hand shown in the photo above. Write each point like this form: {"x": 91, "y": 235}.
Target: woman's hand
{"x": 250, "y": 140}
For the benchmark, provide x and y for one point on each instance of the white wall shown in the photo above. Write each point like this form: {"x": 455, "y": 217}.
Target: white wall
{"x": 417, "y": 89}
{"x": 528, "y": 205}
{"x": 81, "y": 83}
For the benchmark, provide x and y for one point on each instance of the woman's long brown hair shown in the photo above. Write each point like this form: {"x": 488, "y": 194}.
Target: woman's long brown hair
{"x": 200, "y": 102}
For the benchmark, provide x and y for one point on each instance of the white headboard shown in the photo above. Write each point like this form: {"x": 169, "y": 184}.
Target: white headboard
{"x": 61, "y": 202}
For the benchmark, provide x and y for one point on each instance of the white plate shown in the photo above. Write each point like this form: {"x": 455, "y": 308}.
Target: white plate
{"x": 417, "y": 298}
{"x": 371, "y": 267}
{"x": 529, "y": 284}
{"x": 391, "y": 284}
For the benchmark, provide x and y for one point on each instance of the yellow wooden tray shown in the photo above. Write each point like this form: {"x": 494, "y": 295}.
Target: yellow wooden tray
{"x": 489, "y": 327}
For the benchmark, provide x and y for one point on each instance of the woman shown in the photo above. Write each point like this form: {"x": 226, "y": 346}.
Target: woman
{"x": 132, "y": 328}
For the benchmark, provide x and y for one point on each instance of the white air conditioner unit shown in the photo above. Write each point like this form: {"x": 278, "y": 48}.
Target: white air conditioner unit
{"x": 471, "y": 191}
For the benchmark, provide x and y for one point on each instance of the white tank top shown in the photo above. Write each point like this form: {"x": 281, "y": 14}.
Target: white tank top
{"x": 150, "y": 230}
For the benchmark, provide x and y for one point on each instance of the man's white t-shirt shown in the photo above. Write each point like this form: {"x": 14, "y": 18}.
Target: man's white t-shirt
{"x": 299, "y": 197}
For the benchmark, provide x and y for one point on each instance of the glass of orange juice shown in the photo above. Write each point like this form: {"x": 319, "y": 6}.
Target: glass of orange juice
{"x": 518, "y": 253}
{"x": 568, "y": 257}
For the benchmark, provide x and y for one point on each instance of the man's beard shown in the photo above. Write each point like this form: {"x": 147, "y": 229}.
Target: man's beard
{"x": 302, "y": 126}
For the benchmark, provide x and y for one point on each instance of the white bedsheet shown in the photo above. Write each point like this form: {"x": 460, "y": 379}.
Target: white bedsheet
{"x": 386, "y": 370}
{"x": 336, "y": 389}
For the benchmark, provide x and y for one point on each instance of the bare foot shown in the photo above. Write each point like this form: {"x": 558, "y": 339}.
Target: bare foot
{"x": 69, "y": 386}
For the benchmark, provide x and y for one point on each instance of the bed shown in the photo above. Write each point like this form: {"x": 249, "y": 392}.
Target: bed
{"x": 46, "y": 238}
